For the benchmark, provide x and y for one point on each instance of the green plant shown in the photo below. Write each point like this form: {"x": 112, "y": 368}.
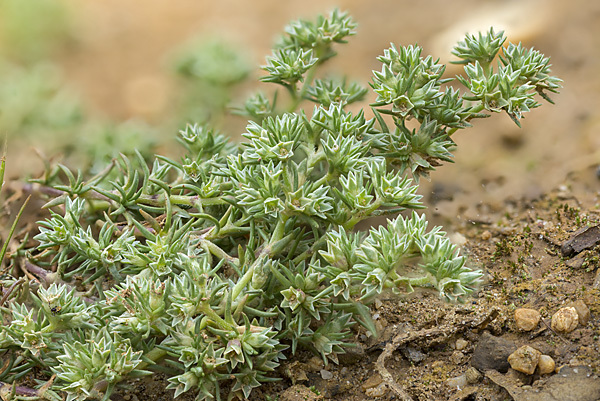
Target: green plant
{"x": 215, "y": 266}
{"x": 14, "y": 392}
{"x": 34, "y": 102}
{"x": 209, "y": 70}
{"x": 31, "y": 31}
{"x": 19, "y": 213}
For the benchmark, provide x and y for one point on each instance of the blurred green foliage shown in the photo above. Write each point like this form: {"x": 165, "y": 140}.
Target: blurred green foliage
{"x": 33, "y": 30}
{"x": 34, "y": 101}
{"x": 38, "y": 105}
{"x": 209, "y": 71}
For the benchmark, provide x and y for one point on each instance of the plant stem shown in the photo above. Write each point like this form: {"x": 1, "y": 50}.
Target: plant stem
{"x": 247, "y": 277}
{"x": 219, "y": 253}
{"x": 154, "y": 355}
{"x": 476, "y": 109}
{"x": 363, "y": 214}
{"x": 298, "y": 96}
{"x": 309, "y": 252}
{"x": 13, "y": 228}
{"x": 214, "y": 317}
{"x": 186, "y": 200}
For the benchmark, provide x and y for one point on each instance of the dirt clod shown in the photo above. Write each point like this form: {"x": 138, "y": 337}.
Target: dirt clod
{"x": 457, "y": 358}
{"x": 492, "y": 353}
{"x": 372, "y": 381}
{"x": 299, "y": 393}
{"x": 377, "y": 392}
{"x": 461, "y": 344}
{"x": 473, "y": 376}
{"x": 413, "y": 354}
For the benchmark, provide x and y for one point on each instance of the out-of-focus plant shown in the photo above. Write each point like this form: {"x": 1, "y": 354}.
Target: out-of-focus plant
{"x": 215, "y": 266}
{"x": 209, "y": 71}
{"x": 37, "y": 104}
{"x": 32, "y": 31}
{"x": 34, "y": 102}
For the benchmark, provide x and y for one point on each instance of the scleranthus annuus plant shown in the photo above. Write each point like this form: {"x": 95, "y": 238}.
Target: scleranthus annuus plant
{"x": 215, "y": 267}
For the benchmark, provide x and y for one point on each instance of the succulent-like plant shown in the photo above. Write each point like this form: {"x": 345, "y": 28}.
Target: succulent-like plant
{"x": 215, "y": 267}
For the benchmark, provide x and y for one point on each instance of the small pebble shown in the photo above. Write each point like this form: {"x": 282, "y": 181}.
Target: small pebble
{"x": 546, "y": 365}
{"x": 379, "y": 326}
{"x": 486, "y": 235}
{"x": 525, "y": 359}
{"x": 457, "y": 239}
{"x": 576, "y": 361}
{"x": 378, "y": 303}
{"x": 565, "y": 320}
{"x": 563, "y": 192}
{"x": 458, "y": 382}
{"x": 527, "y": 319}
{"x": 457, "y": 357}
{"x": 314, "y": 364}
{"x": 461, "y": 344}
{"x": 372, "y": 382}
{"x": 326, "y": 375}
{"x": 473, "y": 376}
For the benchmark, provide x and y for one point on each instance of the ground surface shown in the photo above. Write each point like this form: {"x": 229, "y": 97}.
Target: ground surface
{"x": 513, "y": 196}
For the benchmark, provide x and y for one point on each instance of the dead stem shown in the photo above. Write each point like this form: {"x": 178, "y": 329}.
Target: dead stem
{"x": 10, "y": 290}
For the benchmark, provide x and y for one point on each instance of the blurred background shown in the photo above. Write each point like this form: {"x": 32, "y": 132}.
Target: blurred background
{"x": 81, "y": 81}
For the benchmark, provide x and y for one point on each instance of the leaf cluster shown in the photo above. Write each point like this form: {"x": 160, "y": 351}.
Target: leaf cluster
{"x": 216, "y": 266}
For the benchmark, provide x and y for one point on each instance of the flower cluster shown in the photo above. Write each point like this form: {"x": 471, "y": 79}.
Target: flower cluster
{"x": 215, "y": 267}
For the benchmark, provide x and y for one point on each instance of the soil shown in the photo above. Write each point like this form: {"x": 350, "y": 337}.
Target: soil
{"x": 511, "y": 200}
